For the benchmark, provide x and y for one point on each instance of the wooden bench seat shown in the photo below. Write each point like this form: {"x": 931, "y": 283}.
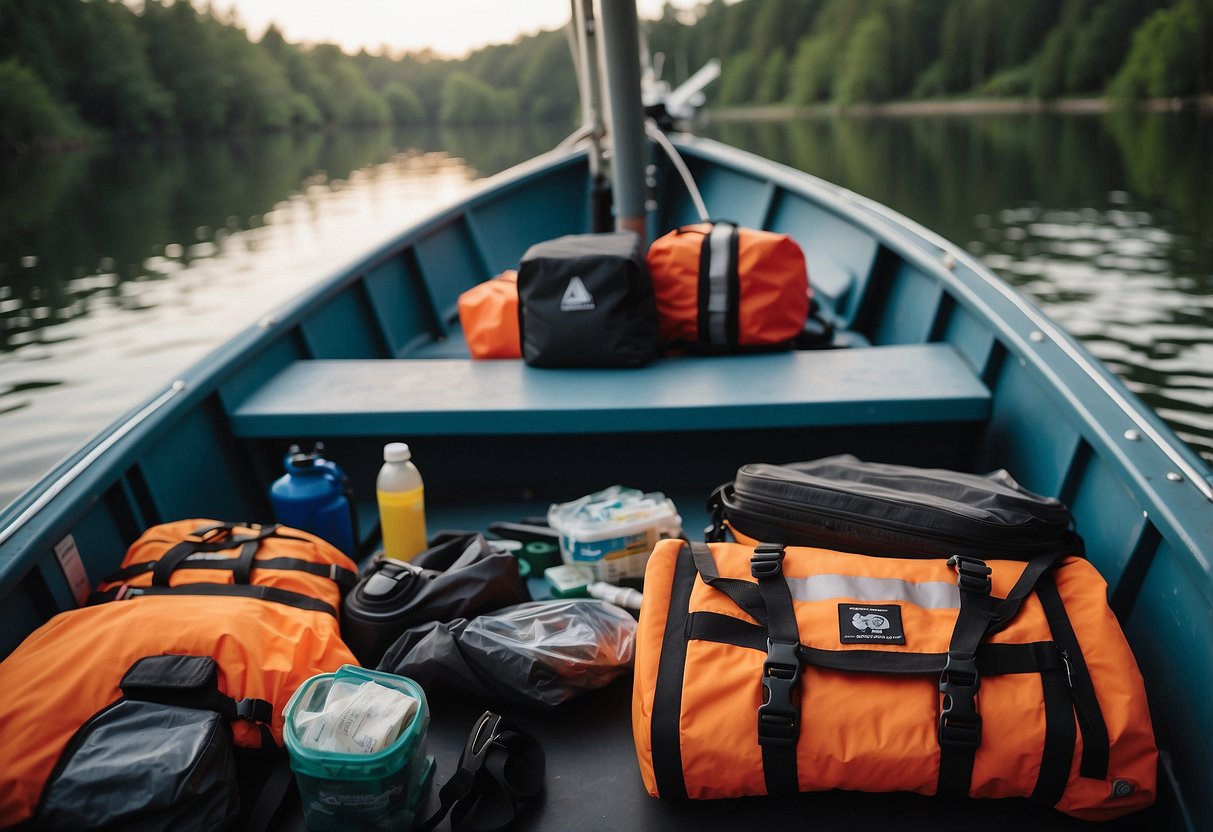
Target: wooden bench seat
{"x": 443, "y": 396}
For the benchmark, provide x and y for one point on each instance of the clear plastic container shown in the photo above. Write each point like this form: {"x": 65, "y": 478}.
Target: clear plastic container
{"x": 613, "y": 531}
{"x": 401, "y": 495}
{"x": 346, "y": 791}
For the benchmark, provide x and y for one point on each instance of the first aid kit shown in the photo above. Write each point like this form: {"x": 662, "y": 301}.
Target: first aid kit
{"x": 611, "y": 532}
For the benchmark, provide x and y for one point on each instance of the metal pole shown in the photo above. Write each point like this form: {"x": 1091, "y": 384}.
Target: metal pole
{"x": 621, "y": 69}
{"x": 591, "y": 112}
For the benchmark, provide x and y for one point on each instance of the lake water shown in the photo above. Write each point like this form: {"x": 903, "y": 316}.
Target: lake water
{"x": 119, "y": 267}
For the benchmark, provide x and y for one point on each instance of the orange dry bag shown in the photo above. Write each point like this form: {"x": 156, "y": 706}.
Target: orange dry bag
{"x": 766, "y": 670}
{"x": 488, "y": 313}
{"x": 261, "y": 601}
{"x": 721, "y": 288}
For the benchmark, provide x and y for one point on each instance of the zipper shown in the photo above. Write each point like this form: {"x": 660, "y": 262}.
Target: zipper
{"x": 931, "y": 542}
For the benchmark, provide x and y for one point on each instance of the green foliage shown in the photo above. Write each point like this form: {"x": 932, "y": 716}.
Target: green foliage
{"x": 740, "y": 79}
{"x": 468, "y": 100}
{"x": 29, "y": 113}
{"x": 1168, "y": 54}
{"x": 867, "y": 70}
{"x": 813, "y": 69}
{"x": 773, "y": 82}
{"x": 405, "y": 105}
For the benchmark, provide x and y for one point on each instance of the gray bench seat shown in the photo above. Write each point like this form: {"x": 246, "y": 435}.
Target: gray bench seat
{"x": 445, "y": 396}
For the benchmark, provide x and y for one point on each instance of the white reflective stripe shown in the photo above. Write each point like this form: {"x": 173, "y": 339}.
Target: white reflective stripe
{"x": 929, "y": 594}
{"x": 720, "y": 241}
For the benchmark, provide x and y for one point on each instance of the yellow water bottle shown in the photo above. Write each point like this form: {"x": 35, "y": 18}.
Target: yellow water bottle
{"x": 401, "y": 503}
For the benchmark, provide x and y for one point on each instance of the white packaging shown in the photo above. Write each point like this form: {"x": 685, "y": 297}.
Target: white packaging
{"x": 361, "y": 718}
{"x": 613, "y": 531}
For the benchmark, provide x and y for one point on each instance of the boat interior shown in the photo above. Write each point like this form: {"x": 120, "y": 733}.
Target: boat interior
{"x": 934, "y": 364}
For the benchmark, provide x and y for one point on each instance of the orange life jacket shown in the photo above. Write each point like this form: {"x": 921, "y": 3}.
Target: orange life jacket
{"x": 268, "y": 637}
{"x": 763, "y": 670}
{"x": 720, "y": 288}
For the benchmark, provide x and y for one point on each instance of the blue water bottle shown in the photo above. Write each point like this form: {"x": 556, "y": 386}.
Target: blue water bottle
{"x": 314, "y": 495}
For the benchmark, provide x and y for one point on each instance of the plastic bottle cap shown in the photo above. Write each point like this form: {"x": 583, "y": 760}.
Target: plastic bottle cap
{"x": 396, "y": 452}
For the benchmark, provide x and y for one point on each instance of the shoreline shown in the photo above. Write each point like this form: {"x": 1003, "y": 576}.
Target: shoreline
{"x": 965, "y": 107}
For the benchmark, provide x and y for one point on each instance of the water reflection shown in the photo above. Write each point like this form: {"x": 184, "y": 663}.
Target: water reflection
{"x": 121, "y": 266}
{"x": 1104, "y": 221}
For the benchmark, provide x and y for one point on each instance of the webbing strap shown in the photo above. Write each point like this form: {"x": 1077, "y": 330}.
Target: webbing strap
{"x": 719, "y": 287}
{"x": 779, "y": 714}
{"x": 344, "y": 578}
{"x": 1006, "y": 609}
{"x": 1095, "y": 745}
{"x": 744, "y": 594}
{"x": 666, "y": 724}
{"x": 264, "y": 593}
{"x": 1060, "y": 736}
{"x": 959, "y": 722}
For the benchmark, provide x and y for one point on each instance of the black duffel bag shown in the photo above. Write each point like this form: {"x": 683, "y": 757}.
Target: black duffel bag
{"x": 873, "y": 508}
{"x": 461, "y": 575}
{"x": 586, "y": 300}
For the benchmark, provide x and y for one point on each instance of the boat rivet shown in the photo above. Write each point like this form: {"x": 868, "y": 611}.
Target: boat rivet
{"x": 1036, "y": 335}
{"x": 267, "y": 322}
{"x": 177, "y": 386}
{"x": 1174, "y": 476}
{"x": 948, "y": 260}
{"x": 1132, "y": 435}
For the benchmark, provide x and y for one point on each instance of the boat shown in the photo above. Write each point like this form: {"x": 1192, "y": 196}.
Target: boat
{"x": 943, "y": 365}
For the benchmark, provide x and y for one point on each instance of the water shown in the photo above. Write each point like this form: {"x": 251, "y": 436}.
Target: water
{"x": 119, "y": 267}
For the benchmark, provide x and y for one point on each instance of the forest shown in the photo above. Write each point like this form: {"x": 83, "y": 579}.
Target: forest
{"x": 72, "y": 72}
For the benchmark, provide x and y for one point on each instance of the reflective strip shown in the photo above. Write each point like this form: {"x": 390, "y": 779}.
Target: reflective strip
{"x": 720, "y": 242}
{"x": 929, "y": 595}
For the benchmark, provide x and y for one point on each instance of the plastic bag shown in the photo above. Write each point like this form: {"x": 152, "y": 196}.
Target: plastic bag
{"x": 543, "y": 652}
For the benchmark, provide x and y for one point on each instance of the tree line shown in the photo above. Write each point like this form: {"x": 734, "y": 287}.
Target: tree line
{"x": 72, "y": 70}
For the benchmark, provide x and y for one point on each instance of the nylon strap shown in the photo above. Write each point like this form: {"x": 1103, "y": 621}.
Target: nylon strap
{"x": 719, "y": 287}
{"x": 344, "y": 578}
{"x": 779, "y": 714}
{"x": 744, "y": 594}
{"x": 959, "y": 722}
{"x": 263, "y": 593}
{"x": 1095, "y": 745}
{"x": 1060, "y": 736}
{"x": 666, "y": 725}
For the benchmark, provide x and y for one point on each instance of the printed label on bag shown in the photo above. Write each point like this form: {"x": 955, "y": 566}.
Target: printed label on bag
{"x": 73, "y": 568}
{"x": 576, "y": 298}
{"x": 862, "y": 624}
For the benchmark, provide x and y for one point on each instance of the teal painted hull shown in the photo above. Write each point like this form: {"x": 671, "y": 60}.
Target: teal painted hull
{"x": 962, "y": 372}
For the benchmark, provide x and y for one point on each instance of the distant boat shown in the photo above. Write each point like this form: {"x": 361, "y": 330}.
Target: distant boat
{"x": 945, "y": 366}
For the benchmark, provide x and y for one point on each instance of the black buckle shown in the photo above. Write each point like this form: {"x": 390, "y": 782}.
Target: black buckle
{"x": 767, "y": 561}
{"x": 255, "y": 710}
{"x": 972, "y": 573}
{"x": 959, "y": 721}
{"x": 779, "y": 715}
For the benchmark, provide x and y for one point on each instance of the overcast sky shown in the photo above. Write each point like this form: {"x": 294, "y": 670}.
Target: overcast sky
{"x": 449, "y": 27}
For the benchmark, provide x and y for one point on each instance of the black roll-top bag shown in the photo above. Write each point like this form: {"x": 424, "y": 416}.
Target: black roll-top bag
{"x": 586, "y": 300}
{"x": 874, "y": 508}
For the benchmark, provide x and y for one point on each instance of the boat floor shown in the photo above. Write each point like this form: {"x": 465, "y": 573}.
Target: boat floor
{"x": 593, "y": 783}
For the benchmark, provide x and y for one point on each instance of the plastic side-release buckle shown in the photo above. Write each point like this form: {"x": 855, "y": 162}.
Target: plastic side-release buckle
{"x": 972, "y": 573}
{"x": 767, "y": 561}
{"x": 779, "y": 715}
{"x": 959, "y": 721}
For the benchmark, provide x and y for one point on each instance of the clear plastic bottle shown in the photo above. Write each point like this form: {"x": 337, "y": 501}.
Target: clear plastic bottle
{"x": 401, "y": 503}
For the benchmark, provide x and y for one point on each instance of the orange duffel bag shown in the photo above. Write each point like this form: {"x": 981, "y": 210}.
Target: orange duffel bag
{"x": 488, "y": 313}
{"x": 721, "y": 288}
{"x": 765, "y": 670}
{"x": 260, "y": 600}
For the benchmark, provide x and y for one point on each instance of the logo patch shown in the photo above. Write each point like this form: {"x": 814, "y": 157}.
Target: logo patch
{"x": 576, "y": 298}
{"x": 862, "y": 624}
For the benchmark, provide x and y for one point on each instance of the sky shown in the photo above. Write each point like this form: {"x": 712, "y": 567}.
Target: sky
{"x": 451, "y": 28}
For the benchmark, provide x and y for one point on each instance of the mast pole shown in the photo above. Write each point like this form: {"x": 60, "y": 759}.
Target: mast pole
{"x": 590, "y": 88}
{"x": 625, "y": 111}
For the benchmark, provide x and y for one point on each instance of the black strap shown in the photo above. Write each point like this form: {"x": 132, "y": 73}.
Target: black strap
{"x": 170, "y": 560}
{"x": 346, "y": 579}
{"x": 264, "y": 593}
{"x": 271, "y": 797}
{"x": 959, "y": 722}
{"x": 1095, "y": 745}
{"x": 992, "y": 659}
{"x": 1006, "y": 609}
{"x": 719, "y": 288}
{"x": 666, "y": 726}
{"x": 1060, "y": 736}
{"x": 500, "y": 770}
{"x": 779, "y": 714}
{"x": 744, "y": 594}
{"x": 242, "y": 565}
